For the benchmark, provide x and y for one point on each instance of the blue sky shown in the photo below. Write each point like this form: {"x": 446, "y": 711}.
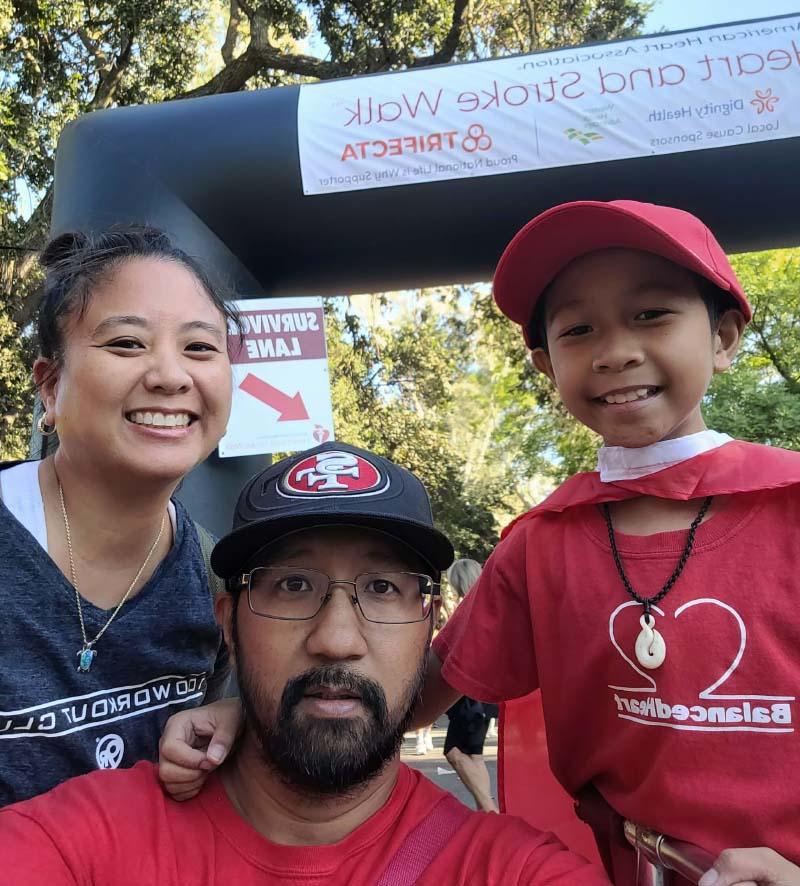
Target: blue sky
{"x": 673, "y": 15}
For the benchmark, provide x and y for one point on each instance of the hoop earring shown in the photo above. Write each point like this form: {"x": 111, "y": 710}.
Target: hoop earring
{"x": 43, "y": 428}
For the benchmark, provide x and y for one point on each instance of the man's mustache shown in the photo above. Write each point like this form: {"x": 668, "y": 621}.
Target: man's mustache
{"x": 334, "y": 678}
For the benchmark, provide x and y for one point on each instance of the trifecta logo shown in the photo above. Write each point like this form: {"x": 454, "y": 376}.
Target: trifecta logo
{"x": 475, "y": 139}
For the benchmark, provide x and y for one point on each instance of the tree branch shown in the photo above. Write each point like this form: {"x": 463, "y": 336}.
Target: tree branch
{"x": 259, "y": 56}
{"x": 110, "y": 78}
{"x": 232, "y": 33}
{"x": 450, "y": 43}
{"x": 780, "y": 367}
{"x": 252, "y": 61}
{"x": 533, "y": 28}
{"x": 91, "y": 47}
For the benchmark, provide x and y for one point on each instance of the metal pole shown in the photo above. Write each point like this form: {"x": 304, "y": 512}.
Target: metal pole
{"x": 657, "y": 856}
{"x": 648, "y": 874}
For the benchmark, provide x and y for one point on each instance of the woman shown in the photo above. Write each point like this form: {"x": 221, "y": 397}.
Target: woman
{"x": 108, "y": 620}
{"x": 469, "y": 719}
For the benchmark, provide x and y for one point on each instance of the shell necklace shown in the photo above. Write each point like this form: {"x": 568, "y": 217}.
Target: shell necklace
{"x": 87, "y": 652}
{"x": 651, "y": 650}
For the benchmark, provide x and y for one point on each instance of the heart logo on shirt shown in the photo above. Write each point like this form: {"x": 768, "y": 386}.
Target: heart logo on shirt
{"x": 725, "y": 671}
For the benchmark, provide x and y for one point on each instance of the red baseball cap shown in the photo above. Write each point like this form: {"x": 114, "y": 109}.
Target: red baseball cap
{"x": 549, "y": 242}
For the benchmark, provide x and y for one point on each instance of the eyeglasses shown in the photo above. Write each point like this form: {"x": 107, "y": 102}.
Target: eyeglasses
{"x": 291, "y": 594}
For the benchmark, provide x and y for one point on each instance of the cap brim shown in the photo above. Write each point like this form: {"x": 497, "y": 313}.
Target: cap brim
{"x": 234, "y": 551}
{"x": 548, "y": 243}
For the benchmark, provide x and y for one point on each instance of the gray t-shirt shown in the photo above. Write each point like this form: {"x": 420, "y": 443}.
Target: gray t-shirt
{"x": 157, "y": 657}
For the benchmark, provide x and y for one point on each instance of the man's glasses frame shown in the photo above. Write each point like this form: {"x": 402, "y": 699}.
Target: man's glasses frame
{"x": 245, "y": 583}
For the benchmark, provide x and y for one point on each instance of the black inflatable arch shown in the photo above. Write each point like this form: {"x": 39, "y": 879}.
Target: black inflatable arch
{"x": 222, "y": 175}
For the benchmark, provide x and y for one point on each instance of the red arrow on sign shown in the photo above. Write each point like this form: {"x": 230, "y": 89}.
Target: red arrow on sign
{"x": 290, "y": 408}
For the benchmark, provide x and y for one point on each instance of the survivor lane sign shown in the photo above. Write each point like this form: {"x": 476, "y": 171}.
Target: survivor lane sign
{"x": 281, "y": 396}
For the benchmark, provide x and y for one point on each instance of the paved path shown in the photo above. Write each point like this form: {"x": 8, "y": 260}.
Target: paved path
{"x": 438, "y": 770}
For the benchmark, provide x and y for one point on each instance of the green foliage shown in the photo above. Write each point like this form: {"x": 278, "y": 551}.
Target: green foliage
{"x": 534, "y": 435}
{"x": 750, "y": 403}
{"x": 62, "y": 58}
{"x": 503, "y": 28}
{"x": 393, "y": 387}
{"x": 381, "y": 35}
{"x": 759, "y": 398}
{"x": 16, "y": 393}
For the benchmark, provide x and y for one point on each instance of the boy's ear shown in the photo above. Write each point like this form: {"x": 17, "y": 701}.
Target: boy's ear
{"x": 727, "y": 339}
{"x": 541, "y": 360}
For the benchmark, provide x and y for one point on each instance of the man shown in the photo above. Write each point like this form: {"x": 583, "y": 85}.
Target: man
{"x": 332, "y": 569}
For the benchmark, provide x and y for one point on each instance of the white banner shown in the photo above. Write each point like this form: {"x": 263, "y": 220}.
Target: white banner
{"x": 663, "y": 94}
{"x": 281, "y": 389}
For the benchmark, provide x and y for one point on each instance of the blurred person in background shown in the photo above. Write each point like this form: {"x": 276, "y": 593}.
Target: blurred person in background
{"x": 469, "y": 719}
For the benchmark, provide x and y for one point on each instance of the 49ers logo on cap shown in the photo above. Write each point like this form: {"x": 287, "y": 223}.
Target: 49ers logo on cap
{"x": 333, "y": 473}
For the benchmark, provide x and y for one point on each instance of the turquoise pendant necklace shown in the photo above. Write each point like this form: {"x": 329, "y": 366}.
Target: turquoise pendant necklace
{"x": 87, "y": 653}
{"x": 85, "y": 658}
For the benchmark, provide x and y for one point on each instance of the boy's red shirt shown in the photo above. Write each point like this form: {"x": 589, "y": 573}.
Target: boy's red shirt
{"x": 704, "y": 748}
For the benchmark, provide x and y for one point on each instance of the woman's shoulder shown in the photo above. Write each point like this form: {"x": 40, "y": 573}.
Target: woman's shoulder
{"x": 195, "y": 543}
{"x": 189, "y": 530}
{"x": 21, "y": 507}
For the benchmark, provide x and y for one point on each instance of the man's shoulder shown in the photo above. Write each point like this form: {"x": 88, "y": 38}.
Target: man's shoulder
{"x": 506, "y": 849}
{"x": 94, "y": 796}
{"x": 109, "y": 826}
{"x": 486, "y": 848}
{"x": 484, "y": 827}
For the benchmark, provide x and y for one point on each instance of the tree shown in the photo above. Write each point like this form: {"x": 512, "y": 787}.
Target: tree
{"x": 534, "y": 434}
{"x": 759, "y": 398}
{"x": 394, "y": 384}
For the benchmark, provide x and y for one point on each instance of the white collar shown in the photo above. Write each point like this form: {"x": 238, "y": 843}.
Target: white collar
{"x": 622, "y": 463}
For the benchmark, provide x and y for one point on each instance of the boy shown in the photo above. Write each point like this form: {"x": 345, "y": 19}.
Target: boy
{"x": 667, "y": 659}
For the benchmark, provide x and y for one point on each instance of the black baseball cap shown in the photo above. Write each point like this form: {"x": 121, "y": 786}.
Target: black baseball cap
{"x": 328, "y": 485}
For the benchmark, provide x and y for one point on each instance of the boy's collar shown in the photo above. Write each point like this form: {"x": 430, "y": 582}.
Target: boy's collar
{"x": 621, "y": 463}
{"x": 737, "y": 467}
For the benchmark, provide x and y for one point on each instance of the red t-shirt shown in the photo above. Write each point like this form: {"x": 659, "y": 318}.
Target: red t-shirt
{"x": 704, "y": 748}
{"x": 117, "y": 827}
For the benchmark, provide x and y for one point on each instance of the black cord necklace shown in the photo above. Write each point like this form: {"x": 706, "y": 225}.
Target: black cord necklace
{"x": 650, "y": 647}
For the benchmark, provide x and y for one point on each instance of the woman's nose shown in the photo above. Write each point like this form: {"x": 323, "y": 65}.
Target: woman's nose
{"x": 168, "y": 373}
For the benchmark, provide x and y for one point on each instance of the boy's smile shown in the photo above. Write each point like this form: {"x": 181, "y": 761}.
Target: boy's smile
{"x": 630, "y": 346}
{"x": 631, "y": 394}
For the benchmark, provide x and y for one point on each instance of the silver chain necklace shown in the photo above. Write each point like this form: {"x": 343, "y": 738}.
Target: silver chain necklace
{"x": 87, "y": 653}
